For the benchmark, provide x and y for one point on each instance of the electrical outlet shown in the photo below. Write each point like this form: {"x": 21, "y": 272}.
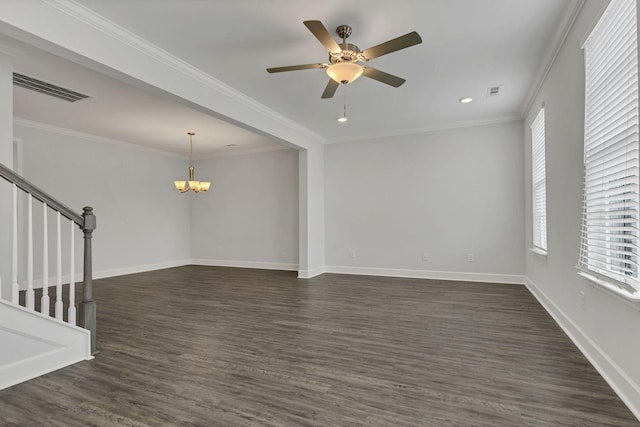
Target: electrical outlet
{"x": 352, "y": 253}
{"x": 425, "y": 256}
{"x": 471, "y": 258}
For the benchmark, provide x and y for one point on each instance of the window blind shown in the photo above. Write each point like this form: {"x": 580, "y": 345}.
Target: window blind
{"x": 539, "y": 182}
{"x": 609, "y": 240}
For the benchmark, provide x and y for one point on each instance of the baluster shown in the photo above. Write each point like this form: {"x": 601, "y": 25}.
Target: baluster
{"x": 30, "y": 294}
{"x": 72, "y": 278}
{"x": 58, "y": 306}
{"x": 44, "y": 306}
{"x": 14, "y": 264}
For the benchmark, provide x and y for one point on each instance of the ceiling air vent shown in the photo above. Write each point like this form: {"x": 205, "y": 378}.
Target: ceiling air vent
{"x": 493, "y": 91}
{"x": 46, "y": 88}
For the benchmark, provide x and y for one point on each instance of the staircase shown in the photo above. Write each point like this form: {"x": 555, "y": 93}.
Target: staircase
{"x": 33, "y": 344}
{"x": 40, "y": 336}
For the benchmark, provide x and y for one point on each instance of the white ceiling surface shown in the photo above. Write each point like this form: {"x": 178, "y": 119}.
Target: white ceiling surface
{"x": 468, "y": 46}
{"x": 119, "y": 112}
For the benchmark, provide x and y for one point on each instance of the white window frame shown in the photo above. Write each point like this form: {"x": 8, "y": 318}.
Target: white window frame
{"x": 610, "y": 238}
{"x": 539, "y": 183}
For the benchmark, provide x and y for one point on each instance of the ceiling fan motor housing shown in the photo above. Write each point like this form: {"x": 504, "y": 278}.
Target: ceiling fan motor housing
{"x": 350, "y": 53}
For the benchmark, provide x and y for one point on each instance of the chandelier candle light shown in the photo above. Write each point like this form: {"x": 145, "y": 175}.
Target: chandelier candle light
{"x": 192, "y": 184}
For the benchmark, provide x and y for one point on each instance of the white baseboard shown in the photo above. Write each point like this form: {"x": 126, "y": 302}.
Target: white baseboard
{"x": 624, "y": 386}
{"x": 133, "y": 269}
{"x": 245, "y": 264}
{"x": 427, "y": 274}
{"x": 37, "y": 283}
{"x": 308, "y": 274}
{"x": 302, "y": 274}
{"x": 102, "y": 274}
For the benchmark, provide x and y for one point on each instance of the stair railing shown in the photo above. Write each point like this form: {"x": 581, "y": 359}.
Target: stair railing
{"x": 86, "y": 222}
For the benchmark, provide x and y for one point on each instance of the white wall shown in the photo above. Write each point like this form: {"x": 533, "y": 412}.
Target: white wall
{"x": 606, "y": 328}
{"x": 83, "y": 37}
{"x": 142, "y": 221}
{"x": 447, "y": 193}
{"x": 249, "y": 217}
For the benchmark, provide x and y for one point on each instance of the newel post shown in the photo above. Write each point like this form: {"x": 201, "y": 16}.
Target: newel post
{"x": 88, "y": 306}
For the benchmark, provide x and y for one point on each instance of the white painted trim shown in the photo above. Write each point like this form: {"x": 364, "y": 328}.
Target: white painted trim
{"x": 624, "y": 386}
{"x": 37, "y": 283}
{"x": 94, "y": 138}
{"x": 308, "y": 274}
{"x": 18, "y": 154}
{"x": 71, "y": 343}
{"x": 423, "y": 129}
{"x": 103, "y": 140}
{"x": 128, "y": 38}
{"x": 32, "y": 368}
{"x": 102, "y": 274}
{"x": 632, "y": 300}
{"x": 257, "y": 150}
{"x": 8, "y": 50}
{"x": 427, "y": 274}
{"x": 540, "y": 252}
{"x": 567, "y": 21}
{"x": 261, "y": 265}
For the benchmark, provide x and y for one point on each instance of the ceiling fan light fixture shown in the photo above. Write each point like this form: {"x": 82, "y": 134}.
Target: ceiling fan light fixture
{"x": 344, "y": 72}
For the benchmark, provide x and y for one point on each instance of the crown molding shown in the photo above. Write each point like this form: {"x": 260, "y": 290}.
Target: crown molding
{"x": 8, "y": 50}
{"x": 129, "y": 145}
{"x": 124, "y": 36}
{"x": 94, "y": 138}
{"x": 257, "y": 150}
{"x": 423, "y": 129}
{"x": 562, "y": 32}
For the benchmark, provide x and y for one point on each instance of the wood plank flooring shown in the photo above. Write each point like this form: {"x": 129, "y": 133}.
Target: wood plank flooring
{"x": 212, "y": 346}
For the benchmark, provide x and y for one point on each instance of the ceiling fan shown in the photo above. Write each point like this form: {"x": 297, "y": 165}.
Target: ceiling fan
{"x": 343, "y": 67}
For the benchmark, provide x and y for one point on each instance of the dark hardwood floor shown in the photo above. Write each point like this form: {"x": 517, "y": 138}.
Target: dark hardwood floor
{"x": 213, "y": 346}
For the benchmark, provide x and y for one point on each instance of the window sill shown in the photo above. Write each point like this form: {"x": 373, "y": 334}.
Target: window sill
{"x": 540, "y": 252}
{"x": 628, "y": 298}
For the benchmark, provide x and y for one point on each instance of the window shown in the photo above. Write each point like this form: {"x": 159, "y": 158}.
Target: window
{"x": 539, "y": 183}
{"x": 609, "y": 241}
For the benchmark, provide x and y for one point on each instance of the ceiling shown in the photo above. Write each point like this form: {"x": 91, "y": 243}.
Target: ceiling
{"x": 468, "y": 46}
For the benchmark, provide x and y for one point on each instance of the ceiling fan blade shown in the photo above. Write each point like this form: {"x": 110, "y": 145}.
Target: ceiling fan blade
{"x": 296, "y": 67}
{"x": 323, "y": 36}
{"x": 330, "y": 90}
{"x": 383, "y": 77}
{"x": 398, "y": 43}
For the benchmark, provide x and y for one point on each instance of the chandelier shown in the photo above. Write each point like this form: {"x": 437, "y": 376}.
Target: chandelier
{"x": 191, "y": 184}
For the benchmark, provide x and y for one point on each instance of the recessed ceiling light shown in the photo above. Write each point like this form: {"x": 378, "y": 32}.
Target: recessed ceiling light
{"x": 342, "y": 119}
{"x": 465, "y": 100}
